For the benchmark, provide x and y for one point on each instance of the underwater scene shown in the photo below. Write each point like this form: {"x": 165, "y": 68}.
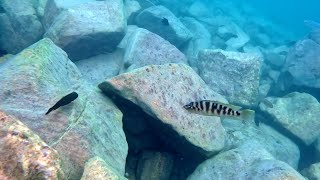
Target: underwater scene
{"x": 159, "y": 90}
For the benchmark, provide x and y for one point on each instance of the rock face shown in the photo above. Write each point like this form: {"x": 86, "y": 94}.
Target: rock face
{"x": 312, "y": 172}
{"x": 275, "y": 143}
{"x": 23, "y": 155}
{"x": 97, "y": 68}
{"x": 20, "y": 25}
{"x": 201, "y": 39}
{"x": 89, "y": 29}
{"x": 34, "y": 80}
{"x": 232, "y": 74}
{"x": 151, "y": 88}
{"x": 250, "y": 161}
{"x": 303, "y": 64}
{"x": 154, "y": 166}
{"x": 97, "y": 168}
{"x": 146, "y": 48}
{"x": 296, "y": 112}
{"x": 173, "y": 31}
{"x": 235, "y": 43}
{"x": 54, "y": 7}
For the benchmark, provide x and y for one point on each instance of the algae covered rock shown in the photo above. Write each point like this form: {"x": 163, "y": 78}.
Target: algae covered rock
{"x": 23, "y": 155}
{"x": 146, "y": 48}
{"x": 249, "y": 161}
{"x": 160, "y": 20}
{"x": 232, "y": 74}
{"x": 296, "y": 112}
{"x": 151, "y": 88}
{"x": 34, "y": 80}
{"x": 97, "y": 168}
{"x": 89, "y": 29}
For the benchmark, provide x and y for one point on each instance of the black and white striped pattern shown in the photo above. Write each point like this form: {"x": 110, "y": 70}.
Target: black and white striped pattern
{"x": 211, "y": 108}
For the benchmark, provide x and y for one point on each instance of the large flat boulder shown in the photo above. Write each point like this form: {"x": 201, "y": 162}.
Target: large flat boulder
{"x": 89, "y": 29}
{"x": 232, "y": 74}
{"x": 296, "y": 112}
{"x": 250, "y": 161}
{"x": 151, "y": 88}
{"x": 173, "y": 30}
{"x": 20, "y": 25}
{"x": 146, "y": 48}
{"x": 23, "y": 155}
{"x": 34, "y": 80}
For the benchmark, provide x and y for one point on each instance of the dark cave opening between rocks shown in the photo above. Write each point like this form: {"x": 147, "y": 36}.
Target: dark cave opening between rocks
{"x": 173, "y": 157}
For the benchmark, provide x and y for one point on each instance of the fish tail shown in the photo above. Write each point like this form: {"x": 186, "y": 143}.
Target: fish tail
{"x": 247, "y": 115}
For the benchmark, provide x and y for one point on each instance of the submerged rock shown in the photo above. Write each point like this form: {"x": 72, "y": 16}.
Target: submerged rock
{"x": 275, "y": 143}
{"x": 146, "y": 48}
{"x": 96, "y": 168}
{"x": 302, "y": 66}
{"x": 250, "y": 161}
{"x": 97, "y": 68}
{"x": 23, "y": 155}
{"x": 296, "y": 112}
{"x": 312, "y": 172}
{"x": 163, "y": 22}
{"x": 20, "y": 25}
{"x": 233, "y": 75}
{"x": 151, "y": 88}
{"x": 54, "y": 7}
{"x": 35, "y": 80}
{"x": 89, "y": 29}
{"x": 201, "y": 38}
{"x": 155, "y": 166}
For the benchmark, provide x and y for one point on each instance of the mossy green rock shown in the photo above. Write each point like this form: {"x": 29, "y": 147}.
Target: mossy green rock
{"x": 162, "y": 91}
{"x": 34, "y": 80}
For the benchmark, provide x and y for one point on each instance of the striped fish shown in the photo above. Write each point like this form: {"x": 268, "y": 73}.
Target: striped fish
{"x": 215, "y": 108}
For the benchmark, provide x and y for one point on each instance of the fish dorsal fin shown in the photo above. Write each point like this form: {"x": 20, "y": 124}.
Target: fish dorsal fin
{"x": 233, "y": 107}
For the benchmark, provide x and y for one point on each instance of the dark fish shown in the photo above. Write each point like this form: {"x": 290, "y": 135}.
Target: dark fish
{"x": 165, "y": 21}
{"x": 64, "y": 101}
{"x": 215, "y": 108}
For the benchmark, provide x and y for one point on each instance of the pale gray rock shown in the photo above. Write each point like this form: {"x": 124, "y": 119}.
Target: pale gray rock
{"x": 312, "y": 172}
{"x": 89, "y": 29}
{"x": 296, "y": 112}
{"x": 303, "y": 64}
{"x": 98, "y": 68}
{"x": 275, "y": 143}
{"x": 232, "y": 74}
{"x": 152, "y": 19}
{"x": 201, "y": 38}
{"x": 19, "y": 25}
{"x": 54, "y": 7}
{"x": 146, "y": 48}
{"x": 250, "y": 161}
